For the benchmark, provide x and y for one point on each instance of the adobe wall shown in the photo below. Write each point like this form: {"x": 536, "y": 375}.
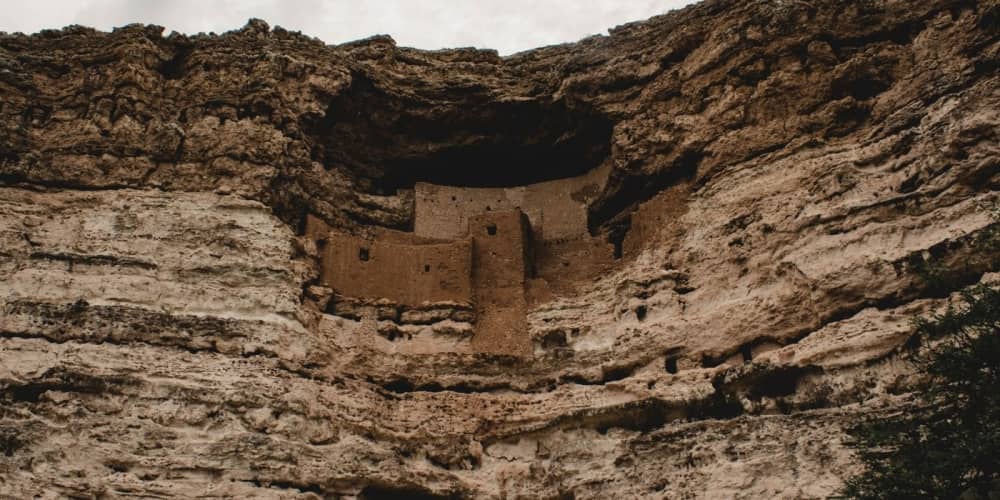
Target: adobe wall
{"x": 316, "y": 229}
{"x": 562, "y": 265}
{"x": 501, "y": 256}
{"x": 401, "y": 268}
{"x": 657, "y": 219}
{"x": 555, "y": 209}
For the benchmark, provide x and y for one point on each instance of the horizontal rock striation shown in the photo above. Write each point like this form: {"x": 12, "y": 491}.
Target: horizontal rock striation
{"x": 782, "y": 177}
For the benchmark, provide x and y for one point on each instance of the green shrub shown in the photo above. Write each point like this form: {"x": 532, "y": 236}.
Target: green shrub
{"x": 947, "y": 445}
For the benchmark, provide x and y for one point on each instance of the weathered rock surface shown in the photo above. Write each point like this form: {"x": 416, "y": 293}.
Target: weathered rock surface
{"x": 780, "y": 175}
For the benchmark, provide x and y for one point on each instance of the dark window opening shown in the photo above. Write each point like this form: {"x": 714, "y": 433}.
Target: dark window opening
{"x": 363, "y": 254}
{"x": 453, "y": 198}
{"x": 747, "y": 353}
{"x": 616, "y": 235}
{"x": 487, "y": 208}
{"x": 492, "y": 228}
{"x": 554, "y": 339}
{"x": 640, "y": 313}
{"x": 670, "y": 364}
{"x": 427, "y": 268}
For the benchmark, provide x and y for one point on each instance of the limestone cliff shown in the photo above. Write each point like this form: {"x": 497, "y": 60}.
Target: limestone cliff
{"x": 774, "y": 177}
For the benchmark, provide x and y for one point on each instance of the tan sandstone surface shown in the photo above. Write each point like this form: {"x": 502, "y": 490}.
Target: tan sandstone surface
{"x": 764, "y": 183}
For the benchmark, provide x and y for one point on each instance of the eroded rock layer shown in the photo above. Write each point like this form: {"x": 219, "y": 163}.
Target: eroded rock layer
{"x": 774, "y": 180}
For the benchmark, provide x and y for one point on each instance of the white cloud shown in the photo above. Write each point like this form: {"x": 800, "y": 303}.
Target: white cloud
{"x": 506, "y": 25}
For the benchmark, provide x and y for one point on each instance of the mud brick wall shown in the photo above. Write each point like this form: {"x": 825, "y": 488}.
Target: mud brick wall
{"x": 561, "y": 265}
{"x": 501, "y": 258}
{"x": 555, "y": 209}
{"x": 409, "y": 274}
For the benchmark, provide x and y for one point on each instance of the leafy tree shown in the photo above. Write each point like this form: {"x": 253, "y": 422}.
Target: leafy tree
{"x": 947, "y": 443}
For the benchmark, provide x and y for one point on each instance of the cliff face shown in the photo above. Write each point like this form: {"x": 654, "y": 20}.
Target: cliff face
{"x": 778, "y": 175}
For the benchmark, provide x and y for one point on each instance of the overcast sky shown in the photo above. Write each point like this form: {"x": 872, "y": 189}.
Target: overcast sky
{"x": 506, "y": 25}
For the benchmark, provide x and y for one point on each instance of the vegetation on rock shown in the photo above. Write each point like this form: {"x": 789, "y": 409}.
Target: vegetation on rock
{"x": 945, "y": 444}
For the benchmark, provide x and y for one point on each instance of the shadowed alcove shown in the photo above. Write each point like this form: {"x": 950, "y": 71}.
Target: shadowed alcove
{"x": 393, "y": 141}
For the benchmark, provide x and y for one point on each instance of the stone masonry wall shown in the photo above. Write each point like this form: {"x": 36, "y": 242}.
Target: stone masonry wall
{"x": 555, "y": 209}
{"x": 407, "y": 273}
{"x": 562, "y": 265}
{"x": 501, "y": 248}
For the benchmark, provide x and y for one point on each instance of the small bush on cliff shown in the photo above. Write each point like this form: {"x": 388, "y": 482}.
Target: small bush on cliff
{"x": 948, "y": 444}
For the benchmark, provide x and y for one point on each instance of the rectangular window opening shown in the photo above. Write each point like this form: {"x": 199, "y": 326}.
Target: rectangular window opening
{"x": 670, "y": 364}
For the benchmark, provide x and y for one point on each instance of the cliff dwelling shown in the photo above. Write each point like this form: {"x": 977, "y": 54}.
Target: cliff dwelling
{"x": 676, "y": 260}
{"x": 477, "y": 256}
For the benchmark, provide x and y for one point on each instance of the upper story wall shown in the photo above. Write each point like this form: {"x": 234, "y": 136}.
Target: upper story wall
{"x": 556, "y": 209}
{"x": 501, "y": 251}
